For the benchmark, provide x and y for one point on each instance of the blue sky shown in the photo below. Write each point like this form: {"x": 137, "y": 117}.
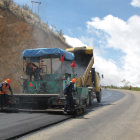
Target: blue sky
{"x": 71, "y": 15}
{"x": 111, "y": 26}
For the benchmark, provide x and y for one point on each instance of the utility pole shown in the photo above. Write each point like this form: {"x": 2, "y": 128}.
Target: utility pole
{"x": 36, "y": 2}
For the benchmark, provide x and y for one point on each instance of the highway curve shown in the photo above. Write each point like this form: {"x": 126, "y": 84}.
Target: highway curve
{"x": 115, "y": 119}
{"x": 13, "y": 125}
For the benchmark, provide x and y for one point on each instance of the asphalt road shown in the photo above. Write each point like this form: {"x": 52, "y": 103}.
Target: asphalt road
{"x": 14, "y": 124}
{"x": 116, "y": 118}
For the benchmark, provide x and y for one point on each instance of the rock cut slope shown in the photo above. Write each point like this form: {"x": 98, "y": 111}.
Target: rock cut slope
{"x": 21, "y": 29}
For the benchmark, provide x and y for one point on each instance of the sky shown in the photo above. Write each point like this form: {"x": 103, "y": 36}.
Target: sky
{"x": 112, "y": 27}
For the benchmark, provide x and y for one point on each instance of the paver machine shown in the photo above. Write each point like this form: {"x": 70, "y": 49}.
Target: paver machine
{"x": 52, "y": 69}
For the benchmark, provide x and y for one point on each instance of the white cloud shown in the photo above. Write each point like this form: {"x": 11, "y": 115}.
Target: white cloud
{"x": 122, "y": 36}
{"x": 74, "y": 42}
{"x": 109, "y": 69}
{"x": 135, "y": 3}
{"x": 87, "y": 40}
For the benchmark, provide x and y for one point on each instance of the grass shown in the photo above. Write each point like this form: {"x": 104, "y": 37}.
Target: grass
{"x": 125, "y": 87}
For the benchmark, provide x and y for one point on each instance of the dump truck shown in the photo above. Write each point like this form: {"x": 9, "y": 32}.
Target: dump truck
{"x": 52, "y": 69}
{"x": 86, "y": 76}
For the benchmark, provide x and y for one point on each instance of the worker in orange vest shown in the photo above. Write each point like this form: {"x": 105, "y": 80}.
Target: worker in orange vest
{"x": 30, "y": 70}
{"x": 4, "y": 87}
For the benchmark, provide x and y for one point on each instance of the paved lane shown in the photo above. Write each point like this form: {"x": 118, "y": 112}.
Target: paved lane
{"x": 13, "y": 124}
{"x": 115, "y": 120}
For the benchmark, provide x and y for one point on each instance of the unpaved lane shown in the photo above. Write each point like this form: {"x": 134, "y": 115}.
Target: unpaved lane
{"x": 116, "y": 121}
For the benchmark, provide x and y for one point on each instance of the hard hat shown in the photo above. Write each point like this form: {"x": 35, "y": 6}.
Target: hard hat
{"x": 74, "y": 80}
{"x": 8, "y": 81}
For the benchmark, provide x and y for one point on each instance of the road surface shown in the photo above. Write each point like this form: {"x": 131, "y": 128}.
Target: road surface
{"x": 15, "y": 124}
{"x": 116, "y": 119}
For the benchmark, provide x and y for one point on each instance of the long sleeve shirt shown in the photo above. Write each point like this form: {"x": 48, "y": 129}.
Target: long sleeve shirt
{"x": 69, "y": 89}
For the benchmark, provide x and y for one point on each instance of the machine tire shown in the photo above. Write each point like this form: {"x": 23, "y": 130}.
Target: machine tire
{"x": 77, "y": 112}
{"x": 83, "y": 110}
{"x": 98, "y": 96}
{"x": 88, "y": 100}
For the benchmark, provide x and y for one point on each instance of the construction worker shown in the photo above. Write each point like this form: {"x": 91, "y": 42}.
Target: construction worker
{"x": 4, "y": 87}
{"x": 69, "y": 89}
{"x": 30, "y": 69}
{"x": 130, "y": 87}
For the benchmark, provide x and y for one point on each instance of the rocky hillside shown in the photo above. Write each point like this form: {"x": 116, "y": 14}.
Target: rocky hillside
{"x": 21, "y": 29}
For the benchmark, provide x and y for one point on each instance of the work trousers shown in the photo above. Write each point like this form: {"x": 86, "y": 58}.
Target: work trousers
{"x": 31, "y": 76}
{"x": 69, "y": 104}
{"x": 3, "y": 100}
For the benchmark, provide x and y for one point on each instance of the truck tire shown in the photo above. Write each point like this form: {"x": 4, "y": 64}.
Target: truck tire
{"x": 98, "y": 96}
{"x": 88, "y": 100}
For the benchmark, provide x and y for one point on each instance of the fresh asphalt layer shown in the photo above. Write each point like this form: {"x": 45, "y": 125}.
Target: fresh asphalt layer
{"x": 13, "y": 125}
{"x": 116, "y": 118}
{"x": 16, "y": 124}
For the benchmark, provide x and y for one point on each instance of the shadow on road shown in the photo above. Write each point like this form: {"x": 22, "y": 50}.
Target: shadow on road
{"x": 94, "y": 107}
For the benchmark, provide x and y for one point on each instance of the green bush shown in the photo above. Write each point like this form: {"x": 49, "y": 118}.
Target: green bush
{"x": 125, "y": 87}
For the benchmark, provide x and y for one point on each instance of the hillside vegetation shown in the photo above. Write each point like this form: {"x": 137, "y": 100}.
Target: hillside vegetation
{"x": 21, "y": 29}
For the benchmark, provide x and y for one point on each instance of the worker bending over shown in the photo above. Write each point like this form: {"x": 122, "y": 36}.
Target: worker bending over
{"x": 69, "y": 89}
{"x": 4, "y": 87}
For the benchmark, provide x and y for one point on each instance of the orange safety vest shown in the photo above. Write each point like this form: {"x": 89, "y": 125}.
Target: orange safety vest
{"x": 31, "y": 65}
{"x": 5, "y": 88}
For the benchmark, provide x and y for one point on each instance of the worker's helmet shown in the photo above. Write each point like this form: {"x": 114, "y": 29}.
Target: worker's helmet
{"x": 8, "y": 81}
{"x": 74, "y": 80}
